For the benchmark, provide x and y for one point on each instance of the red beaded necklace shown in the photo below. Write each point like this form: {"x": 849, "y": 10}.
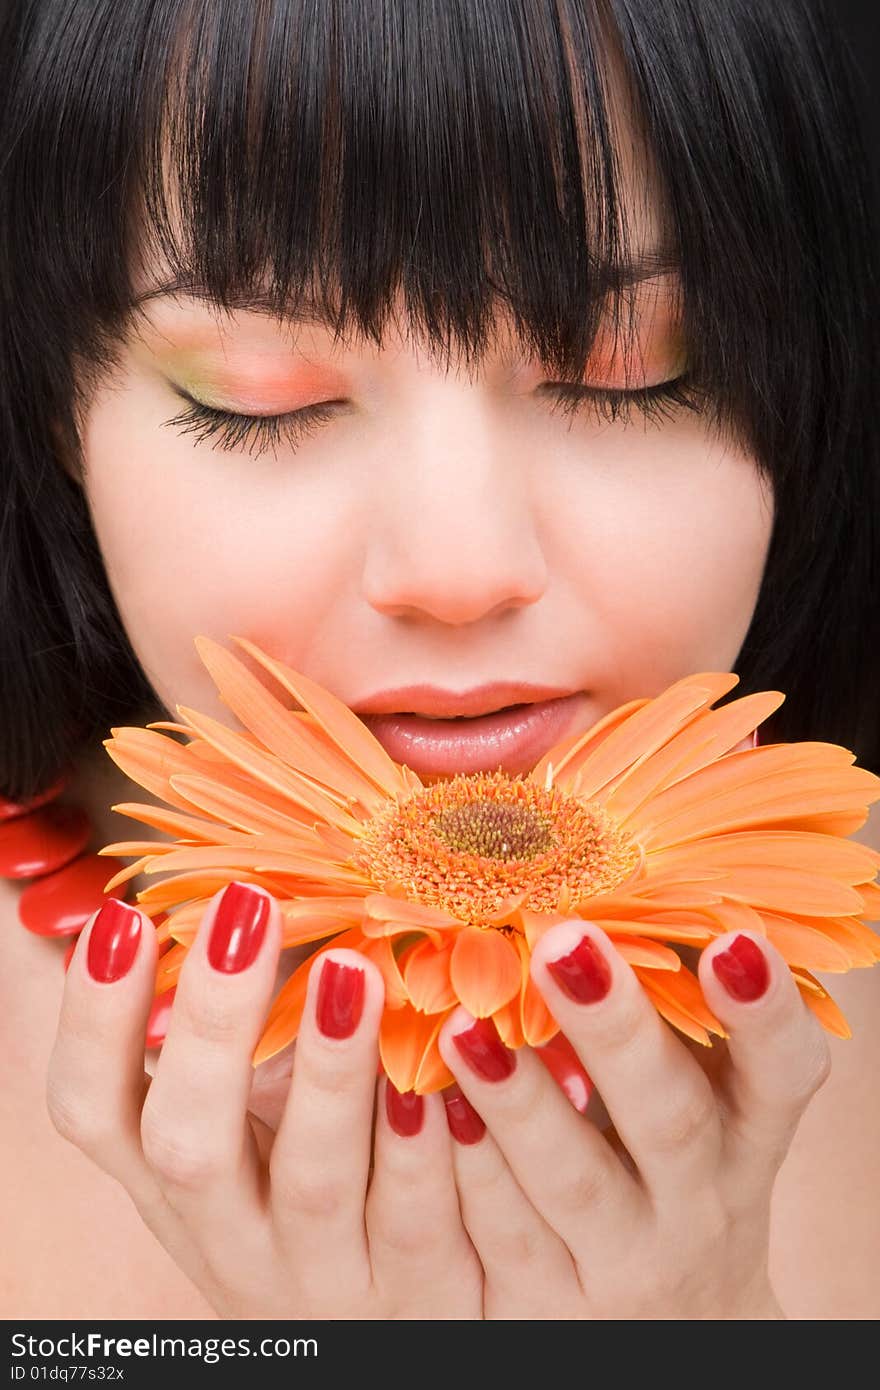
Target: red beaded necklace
{"x": 47, "y": 843}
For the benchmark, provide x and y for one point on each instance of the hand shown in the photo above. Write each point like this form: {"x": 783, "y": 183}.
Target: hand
{"x": 671, "y": 1220}
{"x": 265, "y": 1225}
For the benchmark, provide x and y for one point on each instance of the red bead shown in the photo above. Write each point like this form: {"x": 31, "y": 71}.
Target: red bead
{"x": 10, "y": 810}
{"x": 43, "y": 841}
{"x": 160, "y": 1015}
{"x": 61, "y": 903}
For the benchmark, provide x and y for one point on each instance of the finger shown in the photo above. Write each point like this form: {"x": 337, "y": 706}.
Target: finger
{"x": 529, "y": 1271}
{"x": 777, "y": 1053}
{"x": 560, "y": 1160}
{"x": 660, "y": 1101}
{"x": 96, "y": 1081}
{"x": 321, "y": 1157}
{"x": 420, "y": 1253}
{"x": 194, "y": 1127}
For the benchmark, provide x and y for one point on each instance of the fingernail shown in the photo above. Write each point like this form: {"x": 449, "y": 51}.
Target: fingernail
{"x": 405, "y": 1110}
{"x": 113, "y": 941}
{"x": 484, "y": 1052}
{"x": 340, "y": 999}
{"x": 584, "y": 974}
{"x": 742, "y": 969}
{"x": 464, "y": 1123}
{"x": 567, "y": 1070}
{"x": 239, "y": 928}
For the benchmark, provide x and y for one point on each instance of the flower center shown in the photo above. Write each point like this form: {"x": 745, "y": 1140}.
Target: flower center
{"x": 494, "y": 830}
{"x": 471, "y": 843}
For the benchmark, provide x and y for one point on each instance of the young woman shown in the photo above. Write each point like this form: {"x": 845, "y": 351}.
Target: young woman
{"x": 534, "y": 344}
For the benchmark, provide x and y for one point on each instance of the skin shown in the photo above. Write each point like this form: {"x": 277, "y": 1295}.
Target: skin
{"x": 355, "y": 530}
{"x": 336, "y": 559}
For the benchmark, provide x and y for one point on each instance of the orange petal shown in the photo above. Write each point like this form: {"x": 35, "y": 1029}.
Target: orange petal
{"x": 750, "y": 789}
{"x": 711, "y": 736}
{"x": 854, "y": 936}
{"x": 172, "y": 823}
{"x": 803, "y": 945}
{"x": 433, "y": 1074}
{"x": 427, "y": 977}
{"x": 677, "y": 1017}
{"x": 380, "y": 952}
{"x": 272, "y": 723}
{"x": 580, "y": 745}
{"x": 845, "y": 860}
{"x": 538, "y": 1024}
{"x": 343, "y": 727}
{"x": 168, "y": 968}
{"x": 870, "y": 895}
{"x": 825, "y": 1009}
{"x": 231, "y": 806}
{"x": 150, "y": 759}
{"x": 265, "y": 768}
{"x": 405, "y": 1036}
{"x": 665, "y": 926}
{"x": 682, "y": 991}
{"x": 382, "y": 906}
{"x": 175, "y": 891}
{"x": 485, "y": 970}
{"x": 649, "y": 954}
{"x": 647, "y": 730}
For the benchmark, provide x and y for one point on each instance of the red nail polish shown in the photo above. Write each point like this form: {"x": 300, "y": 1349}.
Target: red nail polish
{"x": 484, "y": 1052}
{"x": 567, "y": 1070}
{"x": 239, "y": 928}
{"x": 113, "y": 941}
{"x": 340, "y": 999}
{"x": 464, "y": 1123}
{"x": 742, "y": 969}
{"x": 584, "y": 974}
{"x": 405, "y": 1110}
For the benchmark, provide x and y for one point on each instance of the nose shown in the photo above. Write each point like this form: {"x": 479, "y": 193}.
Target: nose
{"x": 452, "y": 530}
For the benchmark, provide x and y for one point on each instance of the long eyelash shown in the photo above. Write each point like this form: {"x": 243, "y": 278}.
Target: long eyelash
{"x": 653, "y": 402}
{"x": 232, "y": 431}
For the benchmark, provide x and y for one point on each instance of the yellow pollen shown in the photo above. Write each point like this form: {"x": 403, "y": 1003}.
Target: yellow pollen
{"x": 470, "y": 843}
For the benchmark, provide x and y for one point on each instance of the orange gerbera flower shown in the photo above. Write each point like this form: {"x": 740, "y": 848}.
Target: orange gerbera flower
{"x": 650, "y": 823}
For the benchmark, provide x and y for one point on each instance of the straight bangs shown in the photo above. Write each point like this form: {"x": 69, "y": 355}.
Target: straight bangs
{"x": 451, "y": 165}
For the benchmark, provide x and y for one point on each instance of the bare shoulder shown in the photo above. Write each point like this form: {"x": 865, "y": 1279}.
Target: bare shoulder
{"x": 825, "y": 1229}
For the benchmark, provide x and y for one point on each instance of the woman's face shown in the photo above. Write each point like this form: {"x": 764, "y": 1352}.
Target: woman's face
{"x": 438, "y": 527}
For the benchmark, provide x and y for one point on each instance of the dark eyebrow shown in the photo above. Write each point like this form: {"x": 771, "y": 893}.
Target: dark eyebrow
{"x": 311, "y": 309}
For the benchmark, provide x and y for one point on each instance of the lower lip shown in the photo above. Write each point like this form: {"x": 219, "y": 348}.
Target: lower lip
{"x": 512, "y": 741}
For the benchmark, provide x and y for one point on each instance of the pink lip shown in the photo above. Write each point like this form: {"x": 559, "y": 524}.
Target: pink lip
{"x": 512, "y": 741}
{"x": 434, "y": 703}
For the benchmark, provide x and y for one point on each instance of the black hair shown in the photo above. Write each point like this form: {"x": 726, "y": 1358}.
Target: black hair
{"x": 462, "y": 153}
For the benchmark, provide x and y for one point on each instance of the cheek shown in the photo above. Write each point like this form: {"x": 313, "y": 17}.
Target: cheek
{"x": 672, "y": 553}
{"x": 196, "y": 540}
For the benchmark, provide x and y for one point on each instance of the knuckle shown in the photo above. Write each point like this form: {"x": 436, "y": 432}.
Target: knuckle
{"x": 688, "y": 1120}
{"x": 74, "y": 1118}
{"x": 814, "y": 1071}
{"x": 586, "y": 1189}
{"x": 622, "y": 1027}
{"x": 313, "y": 1195}
{"x": 335, "y": 1076}
{"x": 179, "y": 1159}
{"x": 208, "y": 1019}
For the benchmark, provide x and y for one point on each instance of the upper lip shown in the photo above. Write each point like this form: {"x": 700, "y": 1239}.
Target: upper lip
{"x": 436, "y": 703}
